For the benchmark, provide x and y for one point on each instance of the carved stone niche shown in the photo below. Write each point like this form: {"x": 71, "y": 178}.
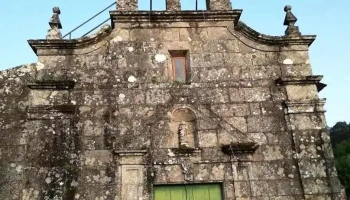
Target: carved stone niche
{"x": 240, "y": 148}
{"x": 183, "y": 127}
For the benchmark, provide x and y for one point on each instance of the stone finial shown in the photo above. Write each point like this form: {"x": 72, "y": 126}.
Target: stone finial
{"x": 55, "y": 19}
{"x": 290, "y": 21}
{"x": 55, "y": 24}
{"x": 173, "y": 5}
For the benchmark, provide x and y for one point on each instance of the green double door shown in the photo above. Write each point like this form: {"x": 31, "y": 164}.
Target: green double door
{"x": 188, "y": 192}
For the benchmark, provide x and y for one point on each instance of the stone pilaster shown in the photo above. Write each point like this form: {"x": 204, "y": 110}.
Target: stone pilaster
{"x": 131, "y": 174}
{"x": 173, "y": 5}
{"x": 312, "y": 151}
{"x": 53, "y": 151}
{"x": 127, "y": 5}
{"x": 219, "y": 5}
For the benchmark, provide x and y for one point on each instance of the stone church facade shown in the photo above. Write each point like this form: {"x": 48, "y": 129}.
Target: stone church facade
{"x": 166, "y": 105}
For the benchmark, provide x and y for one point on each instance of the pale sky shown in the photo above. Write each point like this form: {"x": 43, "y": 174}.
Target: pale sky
{"x": 329, "y": 20}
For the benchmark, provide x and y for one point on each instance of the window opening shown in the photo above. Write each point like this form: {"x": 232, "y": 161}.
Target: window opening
{"x": 158, "y": 5}
{"x": 179, "y": 69}
{"x": 144, "y": 4}
{"x": 152, "y": 5}
{"x": 193, "y": 5}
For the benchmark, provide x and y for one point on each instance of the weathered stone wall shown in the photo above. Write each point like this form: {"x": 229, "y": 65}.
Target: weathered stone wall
{"x": 14, "y": 96}
{"x": 110, "y": 135}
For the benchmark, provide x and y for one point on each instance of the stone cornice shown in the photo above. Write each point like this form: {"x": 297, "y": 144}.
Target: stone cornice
{"x": 185, "y": 152}
{"x": 273, "y": 40}
{"x": 50, "y": 111}
{"x": 302, "y": 80}
{"x": 59, "y": 44}
{"x": 54, "y": 85}
{"x": 52, "y": 108}
{"x": 305, "y": 106}
{"x": 240, "y": 148}
{"x": 138, "y": 17}
{"x": 130, "y": 152}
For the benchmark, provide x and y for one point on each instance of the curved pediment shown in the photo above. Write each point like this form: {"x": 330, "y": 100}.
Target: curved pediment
{"x": 273, "y": 40}
{"x": 60, "y": 44}
{"x": 167, "y": 19}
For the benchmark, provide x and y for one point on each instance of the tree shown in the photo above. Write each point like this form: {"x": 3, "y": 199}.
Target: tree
{"x": 342, "y": 162}
{"x": 339, "y": 132}
{"x": 340, "y": 138}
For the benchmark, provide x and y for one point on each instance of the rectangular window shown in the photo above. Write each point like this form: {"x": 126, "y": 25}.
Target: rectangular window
{"x": 179, "y": 69}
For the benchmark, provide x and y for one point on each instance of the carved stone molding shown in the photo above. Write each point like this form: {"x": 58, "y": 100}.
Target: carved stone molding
{"x": 130, "y": 156}
{"x": 305, "y": 106}
{"x": 185, "y": 152}
{"x": 273, "y": 40}
{"x": 240, "y": 148}
{"x": 130, "y": 152}
{"x": 65, "y": 46}
{"x": 53, "y": 85}
{"x": 50, "y": 111}
{"x": 187, "y": 170}
{"x": 174, "y": 16}
{"x": 302, "y": 80}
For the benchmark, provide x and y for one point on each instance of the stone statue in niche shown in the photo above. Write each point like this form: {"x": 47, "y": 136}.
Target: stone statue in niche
{"x": 182, "y": 126}
{"x": 183, "y": 131}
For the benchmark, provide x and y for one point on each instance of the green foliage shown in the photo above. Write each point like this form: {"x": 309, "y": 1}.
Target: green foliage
{"x": 343, "y": 167}
{"x": 339, "y": 132}
{"x": 342, "y": 149}
{"x": 340, "y": 137}
{"x": 342, "y": 162}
